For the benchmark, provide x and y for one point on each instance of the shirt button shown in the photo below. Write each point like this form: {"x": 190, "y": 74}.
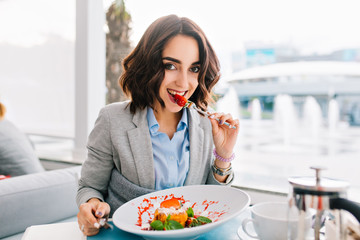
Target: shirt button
{"x": 171, "y": 158}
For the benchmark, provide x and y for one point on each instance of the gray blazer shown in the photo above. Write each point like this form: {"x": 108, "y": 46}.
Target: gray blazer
{"x": 120, "y": 162}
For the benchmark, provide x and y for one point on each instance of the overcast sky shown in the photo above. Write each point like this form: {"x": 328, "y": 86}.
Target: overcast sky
{"x": 314, "y": 25}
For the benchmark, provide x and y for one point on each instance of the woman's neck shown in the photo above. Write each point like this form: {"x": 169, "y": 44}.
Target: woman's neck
{"x": 168, "y": 121}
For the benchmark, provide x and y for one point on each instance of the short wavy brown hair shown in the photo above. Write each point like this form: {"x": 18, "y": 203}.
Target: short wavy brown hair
{"x": 144, "y": 69}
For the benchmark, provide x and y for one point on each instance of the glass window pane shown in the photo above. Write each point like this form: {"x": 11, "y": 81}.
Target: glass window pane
{"x": 37, "y": 65}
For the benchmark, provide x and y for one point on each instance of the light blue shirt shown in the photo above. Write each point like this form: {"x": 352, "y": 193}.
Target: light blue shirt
{"x": 171, "y": 157}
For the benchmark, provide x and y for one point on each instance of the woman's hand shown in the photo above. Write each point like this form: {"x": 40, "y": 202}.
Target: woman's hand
{"x": 224, "y": 136}
{"x": 89, "y": 215}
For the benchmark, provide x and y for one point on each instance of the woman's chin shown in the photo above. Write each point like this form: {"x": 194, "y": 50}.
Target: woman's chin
{"x": 173, "y": 107}
{"x": 176, "y": 110}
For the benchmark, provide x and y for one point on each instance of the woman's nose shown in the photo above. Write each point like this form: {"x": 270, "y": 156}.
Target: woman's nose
{"x": 182, "y": 79}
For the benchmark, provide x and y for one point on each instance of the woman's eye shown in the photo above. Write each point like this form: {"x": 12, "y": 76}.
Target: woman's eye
{"x": 195, "y": 69}
{"x": 169, "y": 66}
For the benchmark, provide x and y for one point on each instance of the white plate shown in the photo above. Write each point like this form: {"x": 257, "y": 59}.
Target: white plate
{"x": 222, "y": 203}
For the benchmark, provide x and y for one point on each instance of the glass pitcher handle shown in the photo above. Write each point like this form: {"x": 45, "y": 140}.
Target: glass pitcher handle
{"x": 345, "y": 204}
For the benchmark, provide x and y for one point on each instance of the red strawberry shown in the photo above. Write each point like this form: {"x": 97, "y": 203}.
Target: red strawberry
{"x": 180, "y": 100}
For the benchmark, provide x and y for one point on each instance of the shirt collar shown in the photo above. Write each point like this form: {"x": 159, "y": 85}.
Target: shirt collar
{"x": 183, "y": 121}
{"x": 154, "y": 125}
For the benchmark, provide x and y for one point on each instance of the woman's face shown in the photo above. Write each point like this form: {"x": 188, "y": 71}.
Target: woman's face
{"x": 181, "y": 62}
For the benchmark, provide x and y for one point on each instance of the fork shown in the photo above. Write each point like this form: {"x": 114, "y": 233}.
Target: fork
{"x": 190, "y": 104}
{"x": 104, "y": 223}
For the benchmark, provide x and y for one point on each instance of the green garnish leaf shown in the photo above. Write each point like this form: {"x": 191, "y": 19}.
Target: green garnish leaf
{"x": 190, "y": 212}
{"x": 194, "y": 222}
{"x": 204, "y": 220}
{"x": 157, "y": 225}
{"x": 166, "y": 223}
{"x": 167, "y": 226}
{"x": 174, "y": 225}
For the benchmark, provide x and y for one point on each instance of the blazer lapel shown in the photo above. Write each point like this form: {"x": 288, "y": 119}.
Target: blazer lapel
{"x": 196, "y": 136}
{"x": 141, "y": 147}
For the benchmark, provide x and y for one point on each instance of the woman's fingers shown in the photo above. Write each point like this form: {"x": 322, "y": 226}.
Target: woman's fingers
{"x": 91, "y": 231}
{"x": 233, "y": 123}
{"x": 224, "y": 135}
{"x": 89, "y": 216}
{"x": 103, "y": 209}
{"x": 236, "y": 123}
{"x": 224, "y": 119}
{"x": 87, "y": 220}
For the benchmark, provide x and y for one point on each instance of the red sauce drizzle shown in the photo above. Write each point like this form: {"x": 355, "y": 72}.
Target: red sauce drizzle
{"x": 207, "y": 203}
{"x": 216, "y": 215}
{"x": 147, "y": 205}
{"x": 143, "y": 208}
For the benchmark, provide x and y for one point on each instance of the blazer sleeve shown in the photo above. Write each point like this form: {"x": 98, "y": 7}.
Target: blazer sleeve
{"x": 96, "y": 169}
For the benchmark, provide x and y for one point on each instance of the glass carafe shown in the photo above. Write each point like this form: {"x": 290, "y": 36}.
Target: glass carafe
{"x": 313, "y": 201}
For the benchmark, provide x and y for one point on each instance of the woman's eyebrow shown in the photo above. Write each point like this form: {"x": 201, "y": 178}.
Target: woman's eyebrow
{"x": 178, "y": 61}
{"x": 171, "y": 59}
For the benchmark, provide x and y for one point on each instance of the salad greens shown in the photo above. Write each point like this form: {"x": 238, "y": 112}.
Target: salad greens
{"x": 190, "y": 212}
{"x": 172, "y": 225}
{"x": 167, "y": 225}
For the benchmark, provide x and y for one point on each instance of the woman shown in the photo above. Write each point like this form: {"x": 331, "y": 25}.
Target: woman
{"x": 151, "y": 143}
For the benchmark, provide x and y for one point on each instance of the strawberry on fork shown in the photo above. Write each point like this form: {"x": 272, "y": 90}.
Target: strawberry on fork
{"x": 183, "y": 102}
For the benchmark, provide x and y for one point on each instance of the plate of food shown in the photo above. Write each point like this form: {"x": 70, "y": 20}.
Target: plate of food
{"x": 182, "y": 212}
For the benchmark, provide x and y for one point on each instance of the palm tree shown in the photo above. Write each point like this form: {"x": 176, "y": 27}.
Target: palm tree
{"x": 117, "y": 48}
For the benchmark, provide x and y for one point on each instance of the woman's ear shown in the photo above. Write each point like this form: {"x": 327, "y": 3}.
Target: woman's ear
{"x": 2, "y": 111}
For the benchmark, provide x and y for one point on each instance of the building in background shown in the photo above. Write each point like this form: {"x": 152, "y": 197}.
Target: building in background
{"x": 264, "y": 71}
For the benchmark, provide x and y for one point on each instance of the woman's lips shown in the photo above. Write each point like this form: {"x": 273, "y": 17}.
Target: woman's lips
{"x": 172, "y": 96}
{"x": 172, "y": 99}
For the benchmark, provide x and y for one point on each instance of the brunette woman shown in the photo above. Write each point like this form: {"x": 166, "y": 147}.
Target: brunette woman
{"x": 150, "y": 143}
